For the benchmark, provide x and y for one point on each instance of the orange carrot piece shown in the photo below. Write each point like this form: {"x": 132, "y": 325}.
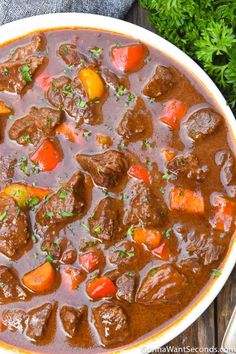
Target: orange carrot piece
{"x": 4, "y": 109}
{"x": 47, "y": 156}
{"x": 162, "y": 252}
{"x": 149, "y": 236}
{"x": 104, "y": 140}
{"x": 139, "y": 172}
{"x": 101, "y": 287}
{"x": 174, "y": 111}
{"x": 169, "y": 154}
{"x": 40, "y": 279}
{"x": 186, "y": 200}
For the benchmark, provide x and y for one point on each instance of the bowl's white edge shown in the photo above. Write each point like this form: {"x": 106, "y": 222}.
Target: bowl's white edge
{"x": 19, "y": 28}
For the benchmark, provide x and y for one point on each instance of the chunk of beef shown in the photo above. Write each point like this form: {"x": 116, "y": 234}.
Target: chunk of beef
{"x": 10, "y": 288}
{"x": 205, "y": 247}
{"x": 144, "y": 207}
{"x": 111, "y": 323}
{"x": 136, "y": 123}
{"x": 71, "y": 55}
{"x": 113, "y": 81}
{"x": 15, "y": 320}
{"x": 202, "y": 123}
{"x": 39, "y": 123}
{"x": 106, "y": 220}
{"x": 38, "y": 321}
{"x": 71, "y": 318}
{"x": 162, "y": 285}
{"x": 106, "y": 169}
{"x": 161, "y": 82}
{"x": 7, "y": 166}
{"x": 37, "y": 44}
{"x": 70, "y": 96}
{"x": 190, "y": 266}
{"x": 65, "y": 205}
{"x": 126, "y": 287}
{"x": 183, "y": 164}
{"x": 14, "y": 232}
{"x": 126, "y": 255}
{"x": 19, "y": 73}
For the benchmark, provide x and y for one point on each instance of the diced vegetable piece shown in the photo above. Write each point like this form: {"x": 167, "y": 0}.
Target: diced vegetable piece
{"x": 4, "y": 109}
{"x": 70, "y": 132}
{"x": 101, "y": 287}
{"x": 47, "y": 156}
{"x": 148, "y": 236}
{"x": 40, "y": 279}
{"x": 75, "y": 275}
{"x": 89, "y": 261}
{"x": 174, "y": 112}
{"x": 169, "y": 154}
{"x": 26, "y": 196}
{"x": 186, "y": 200}
{"x": 139, "y": 172}
{"x": 92, "y": 83}
{"x": 225, "y": 211}
{"x": 43, "y": 81}
{"x": 129, "y": 58}
{"x": 162, "y": 252}
{"x": 104, "y": 140}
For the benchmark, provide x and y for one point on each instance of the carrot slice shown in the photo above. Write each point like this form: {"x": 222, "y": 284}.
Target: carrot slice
{"x": 104, "y": 140}
{"x": 129, "y": 58}
{"x": 187, "y": 201}
{"x": 139, "y": 172}
{"x": 169, "y": 154}
{"x": 70, "y": 132}
{"x": 101, "y": 287}
{"x": 92, "y": 82}
{"x": 24, "y": 195}
{"x": 149, "y": 236}
{"x": 4, "y": 109}
{"x": 174, "y": 111}
{"x": 47, "y": 156}
{"x": 40, "y": 279}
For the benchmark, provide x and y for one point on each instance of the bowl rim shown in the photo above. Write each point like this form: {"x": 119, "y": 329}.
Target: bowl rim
{"x": 58, "y": 21}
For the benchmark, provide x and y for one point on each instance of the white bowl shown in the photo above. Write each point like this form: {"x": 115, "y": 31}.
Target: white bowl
{"x": 20, "y": 28}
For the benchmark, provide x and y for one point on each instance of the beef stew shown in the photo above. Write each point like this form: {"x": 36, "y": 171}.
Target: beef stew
{"x": 118, "y": 191}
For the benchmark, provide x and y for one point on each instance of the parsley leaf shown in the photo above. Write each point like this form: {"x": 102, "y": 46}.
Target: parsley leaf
{"x": 25, "y": 70}
{"x": 3, "y": 215}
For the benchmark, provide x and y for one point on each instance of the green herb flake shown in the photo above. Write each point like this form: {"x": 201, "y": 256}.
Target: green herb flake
{"x": 67, "y": 90}
{"x": 3, "y": 215}
{"x": 146, "y": 144}
{"x": 131, "y": 99}
{"x": 97, "y": 229}
{"x": 66, "y": 214}
{"x": 32, "y": 202}
{"x": 34, "y": 238}
{"x": 26, "y": 138}
{"x": 49, "y": 258}
{"x": 87, "y": 133}
{"x": 81, "y": 103}
{"x": 5, "y": 71}
{"x": 125, "y": 254}
{"x": 120, "y": 91}
{"x": 63, "y": 194}
{"x": 162, "y": 190}
{"x": 168, "y": 234}
{"x": 84, "y": 226}
{"x": 166, "y": 176}
{"x": 11, "y": 117}
{"x": 25, "y": 70}
{"x": 130, "y": 231}
{"x": 215, "y": 273}
{"x": 96, "y": 52}
{"x": 49, "y": 214}
{"x": 153, "y": 271}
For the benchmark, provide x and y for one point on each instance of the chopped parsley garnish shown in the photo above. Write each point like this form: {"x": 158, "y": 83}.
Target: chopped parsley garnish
{"x": 166, "y": 175}
{"x": 168, "y": 234}
{"x": 49, "y": 214}
{"x": 64, "y": 49}
{"x": 5, "y": 71}
{"x": 147, "y": 144}
{"x": 66, "y": 214}
{"x": 49, "y": 258}
{"x": 25, "y": 70}
{"x": 97, "y": 229}
{"x": 80, "y": 103}
{"x": 120, "y": 91}
{"x": 149, "y": 164}
{"x": 124, "y": 253}
{"x": 130, "y": 231}
{"x": 26, "y": 138}
{"x": 63, "y": 194}
{"x": 3, "y": 215}
{"x": 23, "y": 163}
{"x": 67, "y": 90}
{"x": 152, "y": 99}
{"x": 162, "y": 190}
{"x": 11, "y": 117}
{"x": 90, "y": 243}
{"x": 96, "y": 52}
{"x": 124, "y": 196}
{"x": 33, "y": 238}
{"x": 68, "y": 68}
{"x": 215, "y": 273}
{"x": 96, "y": 100}
{"x": 131, "y": 99}
{"x": 153, "y": 272}
{"x": 86, "y": 133}
{"x": 32, "y": 202}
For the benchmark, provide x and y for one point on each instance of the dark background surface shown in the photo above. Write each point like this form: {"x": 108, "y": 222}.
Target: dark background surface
{"x": 209, "y": 329}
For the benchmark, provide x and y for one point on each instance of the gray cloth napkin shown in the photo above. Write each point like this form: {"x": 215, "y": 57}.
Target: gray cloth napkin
{"x": 11, "y": 10}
